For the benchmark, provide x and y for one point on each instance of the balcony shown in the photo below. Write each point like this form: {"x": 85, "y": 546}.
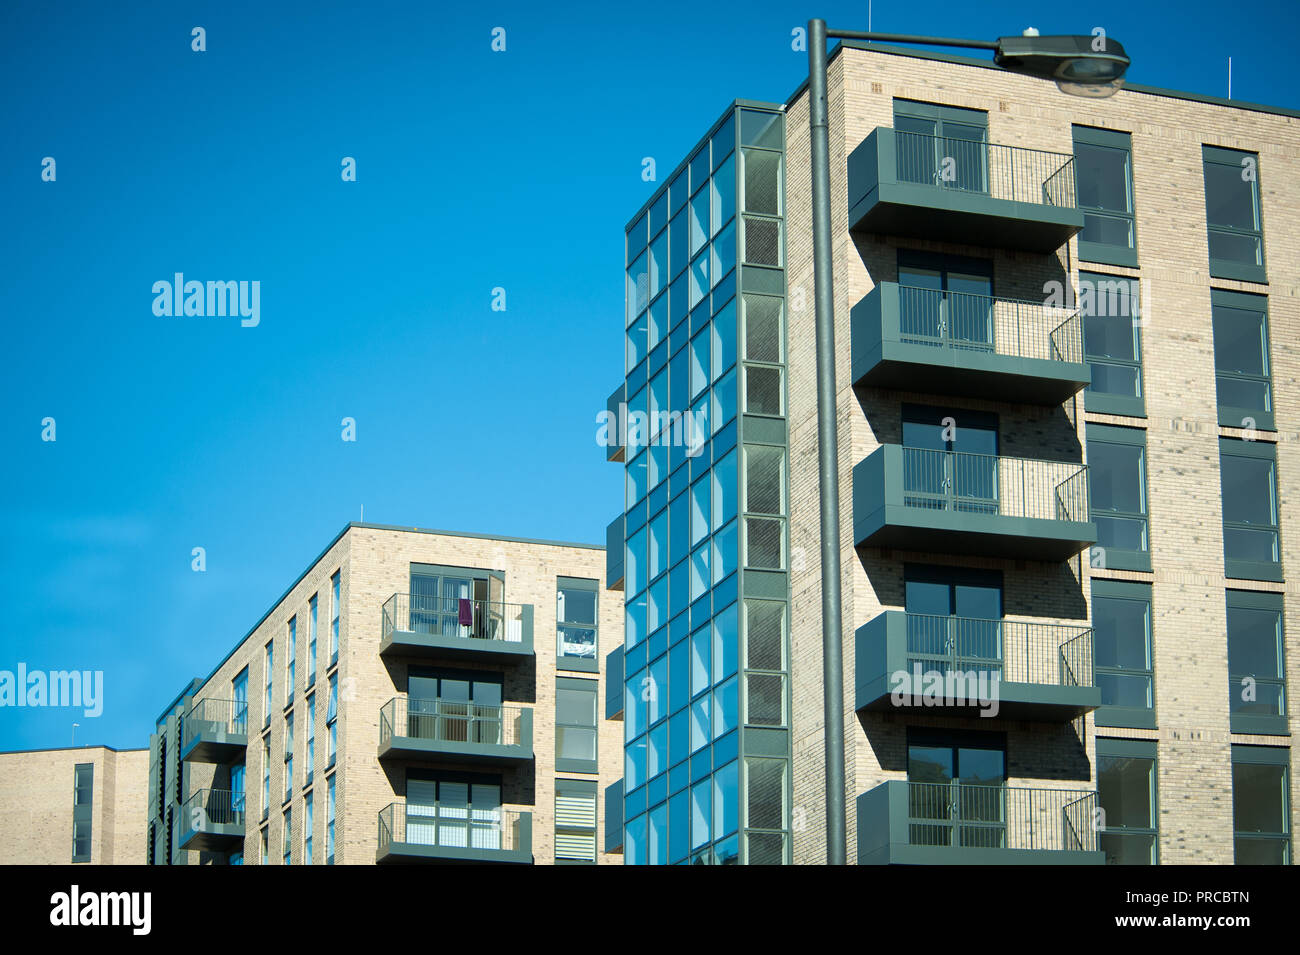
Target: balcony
{"x": 446, "y": 731}
{"x": 951, "y": 502}
{"x": 914, "y": 823}
{"x": 615, "y": 449}
{"x": 614, "y": 817}
{"x": 1042, "y": 671}
{"x": 454, "y": 628}
{"x": 955, "y": 190}
{"x": 215, "y": 731}
{"x": 954, "y": 343}
{"x": 454, "y": 834}
{"x": 212, "y": 820}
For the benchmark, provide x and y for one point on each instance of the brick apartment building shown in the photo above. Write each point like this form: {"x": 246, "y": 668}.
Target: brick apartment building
{"x": 1067, "y": 417}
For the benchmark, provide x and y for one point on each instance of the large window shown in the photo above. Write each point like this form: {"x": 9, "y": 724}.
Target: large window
{"x": 329, "y": 824}
{"x": 575, "y": 820}
{"x": 335, "y": 609}
{"x": 239, "y": 694}
{"x": 266, "y": 776}
{"x": 269, "y": 666}
{"x": 575, "y": 725}
{"x": 944, "y": 146}
{"x": 1241, "y": 363}
{"x": 1251, "y": 548}
{"x": 307, "y": 824}
{"x": 1118, "y": 491}
{"x": 1261, "y": 805}
{"x": 1232, "y": 214}
{"x": 287, "y": 837}
{"x": 1126, "y": 788}
{"x": 1103, "y": 173}
{"x": 576, "y": 624}
{"x": 288, "y": 756}
{"x": 291, "y": 655}
{"x": 309, "y": 767}
{"x": 1121, "y": 628}
{"x": 1110, "y": 307}
{"x": 83, "y": 797}
{"x": 331, "y": 720}
{"x": 1256, "y": 664}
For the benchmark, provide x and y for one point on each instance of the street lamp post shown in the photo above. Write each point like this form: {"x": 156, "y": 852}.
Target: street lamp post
{"x": 1082, "y": 66}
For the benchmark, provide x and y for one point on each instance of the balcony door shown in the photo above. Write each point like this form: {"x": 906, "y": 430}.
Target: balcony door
{"x": 456, "y": 602}
{"x": 957, "y": 789}
{"x": 946, "y": 301}
{"x": 950, "y": 459}
{"x": 458, "y": 812}
{"x": 459, "y": 706}
{"x": 943, "y": 146}
{"x": 954, "y": 619}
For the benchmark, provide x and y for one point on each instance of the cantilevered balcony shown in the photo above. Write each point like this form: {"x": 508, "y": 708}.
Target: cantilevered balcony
{"x": 953, "y": 343}
{"x": 212, "y": 820}
{"x": 448, "y": 731}
{"x": 215, "y": 731}
{"x": 454, "y": 834}
{"x": 957, "y": 190}
{"x": 952, "y": 823}
{"x": 1029, "y": 671}
{"x": 614, "y": 684}
{"x": 614, "y": 542}
{"x": 951, "y": 502}
{"x": 417, "y": 626}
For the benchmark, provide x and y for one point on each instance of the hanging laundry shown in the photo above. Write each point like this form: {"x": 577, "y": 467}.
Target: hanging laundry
{"x": 466, "y": 612}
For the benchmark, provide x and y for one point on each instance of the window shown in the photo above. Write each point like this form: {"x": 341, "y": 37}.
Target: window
{"x": 311, "y": 659}
{"x": 1103, "y": 177}
{"x": 1232, "y": 214}
{"x": 331, "y": 719}
{"x": 453, "y": 809}
{"x": 266, "y": 776}
{"x": 306, "y": 829}
{"x": 310, "y": 766}
{"x": 1256, "y": 666}
{"x": 291, "y": 657}
{"x": 1118, "y": 492}
{"x": 270, "y": 678}
{"x": 83, "y": 798}
{"x": 1251, "y": 548}
{"x": 266, "y": 848}
{"x": 1126, "y": 789}
{"x": 288, "y": 757}
{"x": 1110, "y": 308}
{"x": 1121, "y": 639}
{"x": 329, "y": 824}
{"x": 1261, "y": 805}
{"x": 577, "y": 625}
{"x": 335, "y": 609}
{"x": 575, "y": 725}
{"x": 287, "y": 833}
{"x": 955, "y": 781}
{"x": 945, "y": 300}
{"x": 575, "y": 820}
{"x": 239, "y": 694}
{"x": 1241, "y": 365}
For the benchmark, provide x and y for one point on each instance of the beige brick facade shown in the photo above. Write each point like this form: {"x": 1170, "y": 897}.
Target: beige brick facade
{"x": 36, "y": 805}
{"x": 374, "y": 563}
{"x": 1184, "y": 507}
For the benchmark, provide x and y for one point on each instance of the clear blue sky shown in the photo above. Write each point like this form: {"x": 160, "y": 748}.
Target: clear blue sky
{"x": 475, "y": 170}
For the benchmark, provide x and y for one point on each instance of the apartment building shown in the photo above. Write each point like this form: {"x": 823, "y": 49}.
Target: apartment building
{"x": 415, "y": 696}
{"x": 1067, "y": 419}
{"x": 77, "y": 805}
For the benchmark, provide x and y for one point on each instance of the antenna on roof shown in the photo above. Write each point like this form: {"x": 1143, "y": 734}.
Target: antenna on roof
{"x": 1229, "y": 77}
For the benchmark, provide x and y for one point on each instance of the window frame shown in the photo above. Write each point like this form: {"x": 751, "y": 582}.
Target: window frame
{"x": 1098, "y": 251}
{"x": 1223, "y": 268}
{"x": 575, "y": 663}
{"x": 1121, "y": 558}
{"x": 578, "y": 788}
{"x": 1129, "y": 717}
{"x": 1110, "y": 748}
{"x": 1264, "y": 756}
{"x": 1230, "y": 415}
{"x": 1132, "y": 406}
{"x": 1258, "y": 724}
{"x": 569, "y": 764}
{"x": 1235, "y": 567}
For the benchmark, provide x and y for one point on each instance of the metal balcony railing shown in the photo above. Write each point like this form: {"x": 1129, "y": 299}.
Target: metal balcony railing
{"x": 982, "y": 323}
{"x": 449, "y": 722}
{"x": 995, "y": 485}
{"x": 454, "y": 617}
{"x": 1017, "y": 651}
{"x": 207, "y": 808}
{"x": 1000, "y": 172}
{"x": 457, "y": 827}
{"x": 215, "y": 717}
{"x": 978, "y": 816}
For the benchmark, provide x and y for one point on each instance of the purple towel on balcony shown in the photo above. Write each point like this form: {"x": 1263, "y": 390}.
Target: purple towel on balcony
{"x": 466, "y": 612}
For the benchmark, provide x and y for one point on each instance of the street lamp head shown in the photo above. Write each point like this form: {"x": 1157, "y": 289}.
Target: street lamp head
{"x": 1081, "y": 65}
